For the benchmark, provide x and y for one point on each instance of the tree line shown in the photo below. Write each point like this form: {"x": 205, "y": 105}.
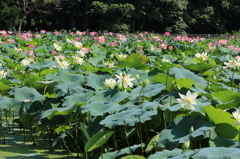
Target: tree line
{"x": 175, "y": 16}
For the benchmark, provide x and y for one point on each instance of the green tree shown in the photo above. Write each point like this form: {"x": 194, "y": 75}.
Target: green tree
{"x": 113, "y": 17}
{"x": 9, "y": 13}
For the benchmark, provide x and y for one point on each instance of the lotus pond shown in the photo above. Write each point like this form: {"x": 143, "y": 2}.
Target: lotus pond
{"x": 107, "y": 96}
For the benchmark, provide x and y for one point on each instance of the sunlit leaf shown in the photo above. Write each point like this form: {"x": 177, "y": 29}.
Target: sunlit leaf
{"x": 184, "y": 73}
{"x": 223, "y": 121}
{"x": 98, "y": 140}
{"x": 137, "y": 61}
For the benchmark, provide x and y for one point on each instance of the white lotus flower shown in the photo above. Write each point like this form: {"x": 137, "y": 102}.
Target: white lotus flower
{"x": 81, "y": 53}
{"x": 203, "y": 55}
{"x": 110, "y": 83}
{"x": 78, "y": 59}
{"x": 25, "y": 62}
{"x": 69, "y": 41}
{"x": 232, "y": 64}
{"x": 236, "y": 115}
{"x": 57, "y": 47}
{"x": 165, "y": 60}
{"x": 63, "y": 64}
{"x": 188, "y": 101}
{"x": 125, "y": 81}
{"x": 109, "y": 64}
{"x": 122, "y": 56}
{"x": 3, "y": 74}
{"x": 77, "y": 44}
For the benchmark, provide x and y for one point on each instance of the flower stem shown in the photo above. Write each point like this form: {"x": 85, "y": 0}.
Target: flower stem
{"x": 239, "y": 137}
{"x": 232, "y": 81}
{"x": 201, "y": 67}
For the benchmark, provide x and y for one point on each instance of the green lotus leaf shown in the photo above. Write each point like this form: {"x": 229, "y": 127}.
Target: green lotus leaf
{"x": 223, "y": 142}
{"x": 184, "y": 83}
{"x": 221, "y": 95}
{"x": 165, "y": 79}
{"x": 67, "y": 88}
{"x": 41, "y": 65}
{"x": 142, "y": 74}
{"x": 223, "y": 121}
{"x": 152, "y": 144}
{"x": 169, "y": 154}
{"x": 50, "y": 113}
{"x": 179, "y": 131}
{"x": 217, "y": 152}
{"x": 150, "y": 90}
{"x": 114, "y": 154}
{"x": 231, "y": 100}
{"x": 100, "y": 108}
{"x": 133, "y": 157}
{"x": 5, "y": 102}
{"x": 184, "y": 73}
{"x": 96, "y": 80}
{"x": 4, "y": 87}
{"x": 111, "y": 95}
{"x": 151, "y": 106}
{"x": 69, "y": 77}
{"x": 128, "y": 118}
{"x": 90, "y": 68}
{"x": 199, "y": 67}
{"x": 226, "y": 50}
{"x": 95, "y": 61}
{"x": 97, "y": 52}
{"x": 98, "y": 140}
{"x": 76, "y": 98}
{"x": 25, "y": 96}
{"x": 137, "y": 61}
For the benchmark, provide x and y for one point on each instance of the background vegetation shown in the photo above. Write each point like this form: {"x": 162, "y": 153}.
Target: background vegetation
{"x": 175, "y": 16}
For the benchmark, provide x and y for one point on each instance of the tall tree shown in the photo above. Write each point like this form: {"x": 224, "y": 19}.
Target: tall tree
{"x": 29, "y": 6}
{"x": 9, "y": 13}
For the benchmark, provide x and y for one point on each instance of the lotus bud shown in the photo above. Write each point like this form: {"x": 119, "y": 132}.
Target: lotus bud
{"x": 137, "y": 77}
{"x": 145, "y": 82}
{"x": 191, "y": 130}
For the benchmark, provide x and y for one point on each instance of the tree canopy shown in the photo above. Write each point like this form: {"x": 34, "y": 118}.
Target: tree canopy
{"x": 176, "y": 16}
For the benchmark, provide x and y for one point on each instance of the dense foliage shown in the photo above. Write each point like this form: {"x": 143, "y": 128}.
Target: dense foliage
{"x": 176, "y": 16}
{"x": 113, "y": 95}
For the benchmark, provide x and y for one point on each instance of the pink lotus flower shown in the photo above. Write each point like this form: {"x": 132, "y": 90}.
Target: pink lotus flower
{"x": 167, "y": 33}
{"x": 11, "y": 41}
{"x": 101, "y": 39}
{"x": 85, "y": 50}
{"x": 170, "y": 47}
{"x": 113, "y": 44}
{"x": 93, "y": 33}
{"x": 56, "y": 32}
{"x": 60, "y": 57}
{"x": 80, "y": 33}
{"x": 53, "y": 52}
{"x": 43, "y": 31}
{"x": 4, "y": 34}
{"x": 163, "y": 46}
{"x": 31, "y": 46}
{"x": 77, "y": 38}
{"x": 122, "y": 37}
{"x": 156, "y": 38}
